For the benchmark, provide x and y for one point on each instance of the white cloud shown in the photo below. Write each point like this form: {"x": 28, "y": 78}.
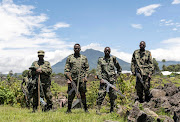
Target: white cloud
{"x": 148, "y": 10}
{"x": 137, "y": 26}
{"x": 174, "y": 29}
{"x": 173, "y": 25}
{"x": 23, "y": 33}
{"x": 162, "y": 20}
{"x": 170, "y": 52}
{"x": 176, "y": 2}
{"x": 61, "y": 25}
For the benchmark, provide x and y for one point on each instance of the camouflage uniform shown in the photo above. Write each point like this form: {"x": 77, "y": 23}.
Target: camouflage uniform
{"x": 106, "y": 70}
{"x": 142, "y": 62}
{"x": 73, "y": 67}
{"x": 45, "y": 82}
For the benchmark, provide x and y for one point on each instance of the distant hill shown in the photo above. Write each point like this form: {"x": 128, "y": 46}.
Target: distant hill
{"x": 167, "y": 63}
{"x": 92, "y": 56}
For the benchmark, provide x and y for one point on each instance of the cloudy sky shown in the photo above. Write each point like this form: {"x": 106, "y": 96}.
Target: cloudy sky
{"x": 27, "y": 26}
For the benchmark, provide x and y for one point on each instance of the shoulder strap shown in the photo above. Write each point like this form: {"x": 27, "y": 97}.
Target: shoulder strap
{"x": 79, "y": 73}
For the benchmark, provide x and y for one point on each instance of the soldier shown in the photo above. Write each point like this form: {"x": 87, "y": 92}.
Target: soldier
{"x": 142, "y": 64}
{"x": 76, "y": 69}
{"x": 106, "y": 70}
{"x": 42, "y": 68}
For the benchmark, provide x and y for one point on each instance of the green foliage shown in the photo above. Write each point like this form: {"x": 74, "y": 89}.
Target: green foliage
{"x": 91, "y": 95}
{"x": 126, "y": 85}
{"x": 10, "y": 72}
{"x": 163, "y": 60}
{"x": 156, "y": 67}
{"x": 10, "y": 93}
{"x": 56, "y": 89}
{"x": 93, "y": 71}
{"x": 25, "y": 73}
{"x": 61, "y": 74}
{"x": 173, "y": 68}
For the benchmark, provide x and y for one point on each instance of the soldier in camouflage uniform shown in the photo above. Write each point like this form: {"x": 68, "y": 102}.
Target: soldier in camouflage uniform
{"x": 106, "y": 70}
{"x": 142, "y": 63}
{"x": 42, "y": 68}
{"x": 77, "y": 66}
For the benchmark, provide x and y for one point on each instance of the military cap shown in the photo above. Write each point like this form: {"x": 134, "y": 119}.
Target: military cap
{"x": 40, "y": 52}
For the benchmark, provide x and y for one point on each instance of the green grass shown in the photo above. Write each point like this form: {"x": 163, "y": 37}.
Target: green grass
{"x": 9, "y": 114}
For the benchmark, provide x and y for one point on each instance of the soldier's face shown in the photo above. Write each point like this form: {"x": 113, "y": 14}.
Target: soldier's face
{"x": 77, "y": 48}
{"x": 107, "y": 51}
{"x": 41, "y": 57}
{"x": 142, "y": 45}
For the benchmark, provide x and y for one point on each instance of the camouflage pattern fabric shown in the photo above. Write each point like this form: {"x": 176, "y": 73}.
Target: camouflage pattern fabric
{"x": 106, "y": 70}
{"x": 142, "y": 62}
{"x": 45, "y": 82}
{"x": 73, "y": 66}
{"x": 140, "y": 88}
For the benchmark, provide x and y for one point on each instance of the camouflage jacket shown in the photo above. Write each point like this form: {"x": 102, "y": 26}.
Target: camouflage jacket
{"x": 106, "y": 68}
{"x": 73, "y": 66}
{"x": 142, "y": 62}
{"x": 46, "y": 70}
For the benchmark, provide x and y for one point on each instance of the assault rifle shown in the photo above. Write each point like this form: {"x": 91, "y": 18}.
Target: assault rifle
{"x": 74, "y": 88}
{"x": 112, "y": 86}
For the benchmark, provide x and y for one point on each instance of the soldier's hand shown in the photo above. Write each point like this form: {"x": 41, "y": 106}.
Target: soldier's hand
{"x": 149, "y": 76}
{"x": 39, "y": 70}
{"x": 85, "y": 79}
{"x": 68, "y": 81}
{"x": 101, "y": 81}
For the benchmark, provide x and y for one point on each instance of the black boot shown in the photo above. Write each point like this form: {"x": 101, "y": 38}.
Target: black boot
{"x": 112, "y": 107}
{"x": 34, "y": 109}
{"x": 85, "y": 105}
{"x": 147, "y": 98}
{"x": 85, "y": 108}
{"x": 69, "y": 108}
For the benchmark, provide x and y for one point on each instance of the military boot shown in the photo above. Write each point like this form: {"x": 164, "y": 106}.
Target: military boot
{"x": 98, "y": 110}
{"x": 85, "y": 105}
{"x": 69, "y": 108}
{"x": 34, "y": 109}
{"x": 112, "y": 107}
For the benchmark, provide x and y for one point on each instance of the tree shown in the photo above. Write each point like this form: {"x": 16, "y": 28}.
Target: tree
{"x": 25, "y": 73}
{"x": 15, "y": 75}
{"x": 156, "y": 67}
{"x": 10, "y": 73}
{"x": 93, "y": 71}
{"x": 163, "y": 60}
{"x": 1, "y": 75}
{"x": 164, "y": 68}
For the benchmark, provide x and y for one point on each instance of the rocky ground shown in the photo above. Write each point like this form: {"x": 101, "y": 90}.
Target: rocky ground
{"x": 164, "y": 99}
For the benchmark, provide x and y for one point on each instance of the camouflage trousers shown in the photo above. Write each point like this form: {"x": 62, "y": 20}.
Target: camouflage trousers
{"x": 102, "y": 94}
{"x": 143, "y": 88}
{"x": 47, "y": 94}
{"x": 82, "y": 91}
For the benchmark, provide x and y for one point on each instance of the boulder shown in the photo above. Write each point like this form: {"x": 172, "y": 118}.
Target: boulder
{"x": 176, "y": 116}
{"x": 170, "y": 89}
{"x": 133, "y": 114}
{"x": 163, "y": 118}
{"x": 157, "y": 93}
{"x": 150, "y": 113}
{"x": 141, "y": 117}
